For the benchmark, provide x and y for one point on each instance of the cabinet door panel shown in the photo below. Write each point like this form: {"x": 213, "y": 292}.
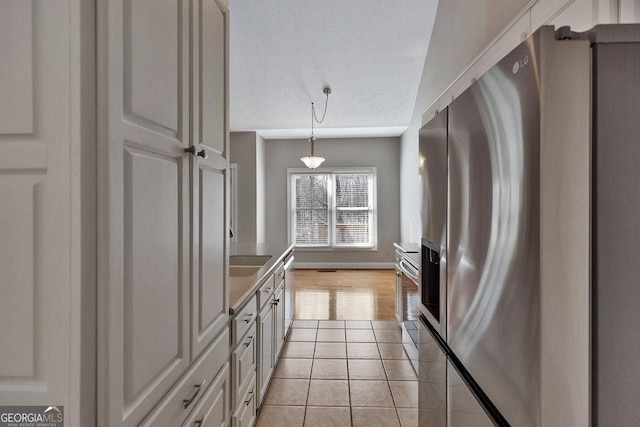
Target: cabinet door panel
{"x": 143, "y": 207}
{"x": 265, "y": 347}
{"x": 210, "y": 306}
{"x": 154, "y": 316}
{"x": 210, "y": 74}
{"x": 40, "y": 313}
{"x": 152, "y": 63}
{"x": 243, "y": 361}
{"x": 17, "y": 273}
{"x": 278, "y": 322}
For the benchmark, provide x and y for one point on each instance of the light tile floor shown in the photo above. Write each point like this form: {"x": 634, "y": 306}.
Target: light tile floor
{"x": 342, "y": 373}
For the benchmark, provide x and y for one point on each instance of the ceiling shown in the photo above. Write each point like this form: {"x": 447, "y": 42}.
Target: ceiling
{"x": 371, "y": 54}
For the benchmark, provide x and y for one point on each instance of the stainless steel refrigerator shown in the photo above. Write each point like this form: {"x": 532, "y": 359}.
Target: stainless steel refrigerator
{"x": 529, "y": 288}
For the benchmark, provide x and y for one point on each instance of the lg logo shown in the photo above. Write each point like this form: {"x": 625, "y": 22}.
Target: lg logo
{"x": 520, "y": 63}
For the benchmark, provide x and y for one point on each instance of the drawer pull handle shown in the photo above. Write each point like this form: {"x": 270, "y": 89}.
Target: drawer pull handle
{"x": 188, "y": 401}
{"x": 281, "y": 274}
{"x": 267, "y": 290}
{"x": 248, "y": 318}
{"x": 250, "y": 341}
{"x": 199, "y": 422}
{"x": 246, "y": 402}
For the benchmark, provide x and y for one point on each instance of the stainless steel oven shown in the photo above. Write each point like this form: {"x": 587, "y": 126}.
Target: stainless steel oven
{"x": 408, "y": 301}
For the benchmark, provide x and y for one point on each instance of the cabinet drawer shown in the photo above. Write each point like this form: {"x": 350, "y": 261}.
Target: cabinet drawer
{"x": 265, "y": 291}
{"x": 171, "y": 410}
{"x": 245, "y": 413}
{"x": 243, "y": 320}
{"x": 279, "y": 274}
{"x": 213, "y": 409}
{"x": 243, "y": 360}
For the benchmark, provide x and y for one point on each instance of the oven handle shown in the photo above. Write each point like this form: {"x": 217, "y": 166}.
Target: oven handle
{"x": 289, "y": 263}
{"x": 408, "y": 273}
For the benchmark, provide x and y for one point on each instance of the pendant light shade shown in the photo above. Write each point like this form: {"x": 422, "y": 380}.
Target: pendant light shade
{"x": 312, "y": 161}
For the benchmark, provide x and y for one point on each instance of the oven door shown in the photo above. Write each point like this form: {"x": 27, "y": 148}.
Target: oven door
{"x": 289, "y": 296}
{"x": 410, "y": 297}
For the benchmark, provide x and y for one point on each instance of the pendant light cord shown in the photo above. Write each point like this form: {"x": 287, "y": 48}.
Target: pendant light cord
{"x": 314, "y": 118}
{"x": 324, "y": 113}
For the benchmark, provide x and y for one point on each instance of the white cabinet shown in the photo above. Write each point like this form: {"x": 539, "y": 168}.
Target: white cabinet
{"x": 47, "y": 208}
{"x": 244, "y": 364}
{"x": 209, "y": 223}
{"x": 163, "y": 210}
{"x": 209, "y": 297}
{"x": 245, "y": 414}
{"x": 278, "y": 333}
{"x": 266, "y": 326}
{"x": 96, "y": 186}
{"x": 259, "y": 329}
{"x": 213, "y": 409}
{"x": 144, "y": 331}
{"x": 271, "y": 328}
{"x": 183, "y": 397}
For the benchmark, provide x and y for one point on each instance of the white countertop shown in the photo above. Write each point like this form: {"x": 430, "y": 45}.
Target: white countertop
{"x": 242, "y": 288}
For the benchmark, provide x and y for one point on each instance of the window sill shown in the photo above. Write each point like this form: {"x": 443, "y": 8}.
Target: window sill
{"x": 336, "y": 248}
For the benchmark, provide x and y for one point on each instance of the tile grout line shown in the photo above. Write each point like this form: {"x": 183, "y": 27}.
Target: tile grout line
{"x": 384, "y": 367}
{"x": 306, "y": 403}
{"x": 346, "y": 352}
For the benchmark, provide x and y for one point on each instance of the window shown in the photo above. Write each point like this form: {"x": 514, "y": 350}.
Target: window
{"x": 333, "y": 208}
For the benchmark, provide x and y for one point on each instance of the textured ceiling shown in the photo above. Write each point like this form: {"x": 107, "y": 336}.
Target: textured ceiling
{"x": 282, "y": 53}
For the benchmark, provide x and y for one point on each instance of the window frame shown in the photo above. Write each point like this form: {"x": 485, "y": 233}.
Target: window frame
{"x": 331, "y": 202}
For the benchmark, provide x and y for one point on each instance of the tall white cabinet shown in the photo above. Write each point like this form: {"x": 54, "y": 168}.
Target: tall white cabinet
{"x": 163, "y": 207}
{"x": 47, "y": 209}
{"x": 114, "y": 209}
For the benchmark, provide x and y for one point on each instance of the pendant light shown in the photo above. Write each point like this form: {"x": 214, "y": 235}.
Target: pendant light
{"x": 312, "y": 161}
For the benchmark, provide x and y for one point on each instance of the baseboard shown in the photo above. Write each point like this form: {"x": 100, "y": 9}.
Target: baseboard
{"x": 345, "y": 265}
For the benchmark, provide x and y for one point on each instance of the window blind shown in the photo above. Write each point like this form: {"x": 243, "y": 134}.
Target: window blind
{"x": 333, "y": 209}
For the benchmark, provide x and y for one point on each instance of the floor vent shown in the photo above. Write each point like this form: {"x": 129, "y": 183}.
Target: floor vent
{"x": 325, "y": 270}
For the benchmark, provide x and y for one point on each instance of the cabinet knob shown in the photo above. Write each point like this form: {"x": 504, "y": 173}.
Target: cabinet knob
{"x": 194, "y": 151}
{"x": 246, "y": 402}
{"x": 189, "y": 400}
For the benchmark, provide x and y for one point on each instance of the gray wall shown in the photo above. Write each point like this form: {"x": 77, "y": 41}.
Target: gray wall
{"x": 382, "y": 153}
{"x": 261, "y": 189}
{"x": 410, "y": 194}
{"x": 248, "y": 151}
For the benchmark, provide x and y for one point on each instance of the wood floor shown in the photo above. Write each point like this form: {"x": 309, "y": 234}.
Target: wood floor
{"x": 344, "y": 295}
